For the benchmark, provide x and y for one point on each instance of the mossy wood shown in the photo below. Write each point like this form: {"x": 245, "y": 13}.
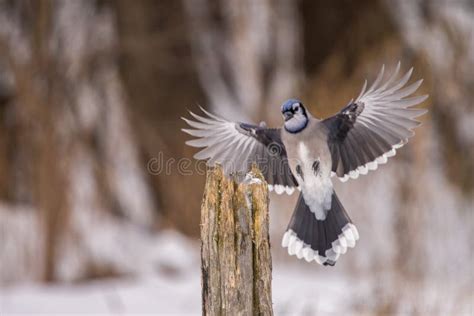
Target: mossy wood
{"x": 235, "y": 251}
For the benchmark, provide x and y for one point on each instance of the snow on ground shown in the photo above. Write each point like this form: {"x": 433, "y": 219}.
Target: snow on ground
{"x": 293, "y": 294}
{"x": 174, "y": 288}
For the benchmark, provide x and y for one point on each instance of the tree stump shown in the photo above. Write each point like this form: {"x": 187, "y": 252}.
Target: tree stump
{"x": 235, "y": 247}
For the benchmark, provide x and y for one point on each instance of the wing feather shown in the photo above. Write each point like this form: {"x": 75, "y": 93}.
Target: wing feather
{"x": 370, "y": 130}
{"x": 236, "y": 146}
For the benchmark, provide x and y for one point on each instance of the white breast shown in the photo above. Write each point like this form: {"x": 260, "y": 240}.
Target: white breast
{"x": 317, "y": 189}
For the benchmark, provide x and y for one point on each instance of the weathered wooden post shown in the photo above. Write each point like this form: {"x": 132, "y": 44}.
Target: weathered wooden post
{"x": 235, "y": 250}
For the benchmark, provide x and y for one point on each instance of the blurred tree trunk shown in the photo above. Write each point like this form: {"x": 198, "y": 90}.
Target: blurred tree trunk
{"x": 235, "y": 251}
{"x": 38, "y": 128}
{"x": 160, "y": 79}
{"x": 74, "y": 139}
{"x": 443, "y": 34}
{"x": 247, "y": 54}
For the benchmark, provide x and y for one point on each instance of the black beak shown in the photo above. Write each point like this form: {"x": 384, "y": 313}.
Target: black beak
{"x": 288, "y": 115}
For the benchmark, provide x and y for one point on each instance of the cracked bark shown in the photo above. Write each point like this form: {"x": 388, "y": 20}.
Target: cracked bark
{"x": 235, "y": 247}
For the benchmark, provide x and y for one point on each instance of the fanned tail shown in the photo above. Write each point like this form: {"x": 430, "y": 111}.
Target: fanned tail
{"x": 320, "y": 240}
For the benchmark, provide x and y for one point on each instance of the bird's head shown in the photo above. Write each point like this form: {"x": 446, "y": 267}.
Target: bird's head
{"x": 295, "y": 115}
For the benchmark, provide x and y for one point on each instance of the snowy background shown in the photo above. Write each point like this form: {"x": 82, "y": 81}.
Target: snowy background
{"x": 99, "y": 197}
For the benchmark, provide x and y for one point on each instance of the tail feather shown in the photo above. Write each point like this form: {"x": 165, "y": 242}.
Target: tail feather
{"x": 321, "y": 244}
{"x": 320, "y": 240}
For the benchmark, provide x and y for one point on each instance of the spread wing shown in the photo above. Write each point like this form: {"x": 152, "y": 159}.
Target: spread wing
{"x": 369, "y": 130}
{"x": 236, "y": 146}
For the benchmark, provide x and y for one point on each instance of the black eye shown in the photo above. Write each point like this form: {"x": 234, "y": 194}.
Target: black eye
{"x": 296, "y": 108}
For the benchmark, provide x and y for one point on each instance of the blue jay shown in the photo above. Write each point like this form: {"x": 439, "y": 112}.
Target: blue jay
{"x": 307, "y": 152}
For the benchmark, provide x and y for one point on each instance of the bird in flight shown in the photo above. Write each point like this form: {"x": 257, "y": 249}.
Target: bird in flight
{"x": 307, "y": 152}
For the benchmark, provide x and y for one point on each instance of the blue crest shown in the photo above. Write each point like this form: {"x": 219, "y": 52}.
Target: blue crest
{"x": 287, "y": 106}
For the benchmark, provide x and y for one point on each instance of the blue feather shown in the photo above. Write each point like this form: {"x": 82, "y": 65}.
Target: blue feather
{"x": 287, "y": 106}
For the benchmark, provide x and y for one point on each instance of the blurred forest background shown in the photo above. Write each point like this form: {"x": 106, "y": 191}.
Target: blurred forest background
{"x": 92, "y": 91}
